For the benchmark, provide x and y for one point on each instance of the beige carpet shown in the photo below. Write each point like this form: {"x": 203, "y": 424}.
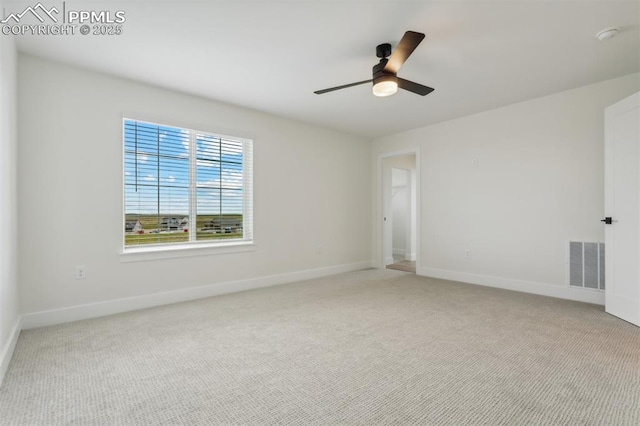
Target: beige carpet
{"x": 369, "y": 347}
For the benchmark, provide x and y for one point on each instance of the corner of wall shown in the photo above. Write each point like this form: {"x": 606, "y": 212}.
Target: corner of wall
{"x": 6, "y": 352}
{"x": 10, "y": 324}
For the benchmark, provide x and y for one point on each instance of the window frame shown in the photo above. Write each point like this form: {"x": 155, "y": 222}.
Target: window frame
{"x": 192, "y": 247}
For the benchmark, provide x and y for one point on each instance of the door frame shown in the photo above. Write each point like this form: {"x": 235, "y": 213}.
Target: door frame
{"x": 380, "y": 223}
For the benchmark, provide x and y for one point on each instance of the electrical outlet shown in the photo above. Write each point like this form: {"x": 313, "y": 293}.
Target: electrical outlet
{"x": 467, "y": 254}
{"x": 475, "y": 162}
{"x": 80, "y": 273}
{"x": 318, "y": 249}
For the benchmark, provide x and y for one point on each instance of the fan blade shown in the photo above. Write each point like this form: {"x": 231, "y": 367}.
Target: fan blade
{"x": 320, "y": 92}
{"x": 407, "y": 45}
{"x": 416, "y": 88}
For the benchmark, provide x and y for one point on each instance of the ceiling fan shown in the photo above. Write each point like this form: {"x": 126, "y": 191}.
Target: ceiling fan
{"x": 385, "y": 79}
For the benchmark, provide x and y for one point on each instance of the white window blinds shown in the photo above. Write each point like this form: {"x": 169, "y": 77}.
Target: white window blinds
{"x": 183, "y": 186}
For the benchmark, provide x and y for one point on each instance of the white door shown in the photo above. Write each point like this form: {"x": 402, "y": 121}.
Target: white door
{"x": 622, "y": 208}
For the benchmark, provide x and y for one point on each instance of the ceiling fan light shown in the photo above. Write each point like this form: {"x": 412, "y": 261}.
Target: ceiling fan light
{"x": 386, "y": 85}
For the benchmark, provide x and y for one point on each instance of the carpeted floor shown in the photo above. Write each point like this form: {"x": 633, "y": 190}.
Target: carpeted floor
{"x": 365, "y": 348}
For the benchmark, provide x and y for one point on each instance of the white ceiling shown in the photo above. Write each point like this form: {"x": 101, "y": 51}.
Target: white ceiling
{"x": 272, "y": 55}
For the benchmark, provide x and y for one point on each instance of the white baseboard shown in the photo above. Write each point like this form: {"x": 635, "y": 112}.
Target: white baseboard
{"x": 389, "y": 261}
{"x": 110, "y": 307}
{"x": 403, "y": 252}
{"x": 9, "y": 347}
{"x": 561, "y": 292}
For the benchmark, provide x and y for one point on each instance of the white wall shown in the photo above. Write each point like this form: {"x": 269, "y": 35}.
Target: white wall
{"x": 538, "y": 182}
{"x": 311, "y": 188}
{"x": 9, "y": 306}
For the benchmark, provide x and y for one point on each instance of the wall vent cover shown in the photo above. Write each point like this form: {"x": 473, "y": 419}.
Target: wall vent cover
{"x": 586, "y": 265}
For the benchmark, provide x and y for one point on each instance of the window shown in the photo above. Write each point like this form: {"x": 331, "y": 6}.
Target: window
{"x": 183, "y": 186}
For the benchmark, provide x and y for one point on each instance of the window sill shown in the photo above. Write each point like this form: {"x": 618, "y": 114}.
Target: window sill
{"x": 141, "y": 254}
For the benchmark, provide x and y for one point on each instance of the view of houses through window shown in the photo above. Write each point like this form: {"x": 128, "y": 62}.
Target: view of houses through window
{"x": 183, "y": 186}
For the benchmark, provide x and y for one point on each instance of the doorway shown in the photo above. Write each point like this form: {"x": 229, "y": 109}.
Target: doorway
{"x": 400, "y": 212}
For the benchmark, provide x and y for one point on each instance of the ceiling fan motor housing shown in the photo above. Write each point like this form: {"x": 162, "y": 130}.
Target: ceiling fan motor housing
{"x": 385, "y": 83}
{"x": 378, "y": 71}
{"x": 383, "y": 50}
